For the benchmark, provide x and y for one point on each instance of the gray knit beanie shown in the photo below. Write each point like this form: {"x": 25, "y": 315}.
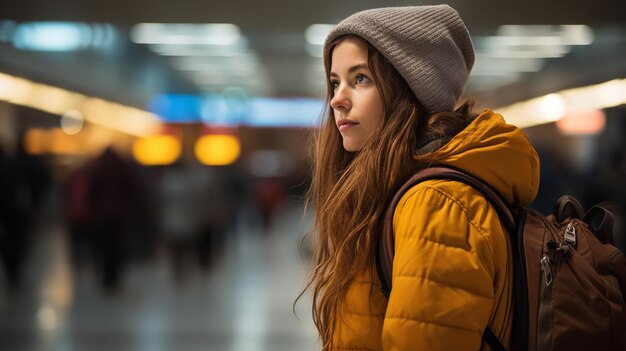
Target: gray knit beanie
{"x": 428, "y": 45}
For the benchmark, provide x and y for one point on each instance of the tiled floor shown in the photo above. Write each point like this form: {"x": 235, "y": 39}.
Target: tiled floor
{"x": 243, "y": 303}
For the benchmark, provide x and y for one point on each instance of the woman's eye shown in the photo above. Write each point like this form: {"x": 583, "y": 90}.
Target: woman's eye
{"x": 361, "y": 78}
{"x": 334, "y": 84}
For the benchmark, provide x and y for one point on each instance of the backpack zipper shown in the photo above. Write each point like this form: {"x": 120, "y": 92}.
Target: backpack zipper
{"x": 550, "y": 259}
{"x": 547, "y": 271}
{"x": 544, "y": 326}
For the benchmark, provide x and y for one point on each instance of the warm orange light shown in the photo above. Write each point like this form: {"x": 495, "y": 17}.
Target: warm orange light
{"x": 157, "y": 150}
{"x": 63, "y": 144}
{"x": 35, "y": 141}
{"x": 583, "y": 122}
{"x": 217, "y": 150}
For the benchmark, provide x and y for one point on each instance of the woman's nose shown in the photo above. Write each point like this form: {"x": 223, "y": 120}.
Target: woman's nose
{"x": 341, "y": 99}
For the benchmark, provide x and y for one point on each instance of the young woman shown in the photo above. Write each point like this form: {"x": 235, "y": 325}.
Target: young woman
{"x": 394, "y": 77}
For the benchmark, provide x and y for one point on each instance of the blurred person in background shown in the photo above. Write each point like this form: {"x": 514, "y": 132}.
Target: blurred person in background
{"x": 394, "y": 77}
{"x": 112, "y": 194}
{"x": 270, "y": 195}
{"x": 143, "y": 243}
{"x": 24, "y": 182}
{"x": 197, "y": 210}
{"x": 77, "y": 212}
{"x": 224, "y": 194}
{"x": 182, "y": 213}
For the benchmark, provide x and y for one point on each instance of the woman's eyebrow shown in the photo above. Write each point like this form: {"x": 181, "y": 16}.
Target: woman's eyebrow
{"x": 351, "y": 69}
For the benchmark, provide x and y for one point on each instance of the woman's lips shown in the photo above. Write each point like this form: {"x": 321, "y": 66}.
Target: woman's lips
{"x": 345, "y": 124}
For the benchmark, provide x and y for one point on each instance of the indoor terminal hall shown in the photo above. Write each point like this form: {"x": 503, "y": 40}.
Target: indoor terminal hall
{"x": 156, "y": 157}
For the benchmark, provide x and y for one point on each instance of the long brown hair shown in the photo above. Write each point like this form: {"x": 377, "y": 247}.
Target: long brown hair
{"x": 349, "y": 190}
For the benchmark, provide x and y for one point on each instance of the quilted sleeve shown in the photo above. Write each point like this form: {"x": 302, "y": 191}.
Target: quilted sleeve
{"x": 443, "y": 272}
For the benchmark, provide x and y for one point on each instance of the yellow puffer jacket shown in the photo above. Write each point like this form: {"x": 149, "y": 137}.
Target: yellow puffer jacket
{"x": 452, "y": 272}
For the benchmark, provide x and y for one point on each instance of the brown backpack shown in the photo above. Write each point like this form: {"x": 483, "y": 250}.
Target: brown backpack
{"x": 569, "y": 279}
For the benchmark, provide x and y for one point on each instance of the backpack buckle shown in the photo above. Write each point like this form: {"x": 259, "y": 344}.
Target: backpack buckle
{"x": 570, "y": 234}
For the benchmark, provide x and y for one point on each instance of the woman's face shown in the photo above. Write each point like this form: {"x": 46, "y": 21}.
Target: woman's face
{"x": 356, "y": 102}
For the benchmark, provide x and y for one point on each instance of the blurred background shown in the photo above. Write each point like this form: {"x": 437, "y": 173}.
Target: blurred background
{"x": 153, "y": 156}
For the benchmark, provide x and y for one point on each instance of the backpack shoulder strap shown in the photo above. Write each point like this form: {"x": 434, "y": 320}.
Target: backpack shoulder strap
{"x": 386, "y": 240}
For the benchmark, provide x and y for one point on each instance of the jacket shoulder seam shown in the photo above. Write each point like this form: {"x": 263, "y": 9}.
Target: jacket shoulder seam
{"x": 433, "y": 323}
{"x": 424, "y": 187}
{"x": 420, "y": 237}
{"x": 444, "y": 284}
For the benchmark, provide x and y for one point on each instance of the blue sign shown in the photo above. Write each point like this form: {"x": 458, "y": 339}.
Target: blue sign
{"x": 232, "y": 111}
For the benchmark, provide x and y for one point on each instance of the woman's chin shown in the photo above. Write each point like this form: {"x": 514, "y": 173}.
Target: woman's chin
{"x": 351, "y": 145}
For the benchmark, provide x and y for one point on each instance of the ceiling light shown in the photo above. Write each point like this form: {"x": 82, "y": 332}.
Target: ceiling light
{"x": 58, "y": 101}
{"x": 546, "y": 40}
{"x": 51, "y": 36}
{"x": 568, "y": 34}
{"x": 491, "y": 65}
{"x": 217, "y": 149}
{"x": 157, "y": 150}
{"x": 186, "y": 34}
{"x": 202, "y": 50}
{"x": 58, "y": 36}
{"x": 552, "y": 107}
{"x": 524, "y": 52}
{"x": 239, "y": 63}
{"x": 72, "y": 122}
{"x": 315, "y": 34}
